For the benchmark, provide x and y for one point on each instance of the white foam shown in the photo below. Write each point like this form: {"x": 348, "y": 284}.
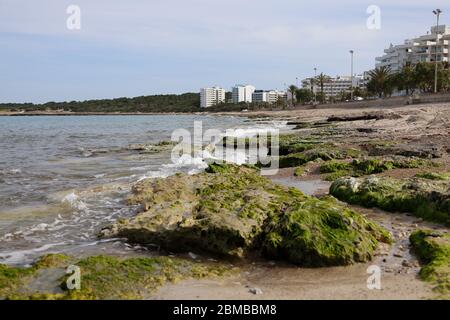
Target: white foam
{"x": 19, "y": 256}
{"x": 73, "y": 200}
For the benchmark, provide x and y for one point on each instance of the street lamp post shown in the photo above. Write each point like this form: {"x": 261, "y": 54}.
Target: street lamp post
{"x": 437, "y": 12}
{"x": 351, "y": 88}
{"x": 314, "y": 85}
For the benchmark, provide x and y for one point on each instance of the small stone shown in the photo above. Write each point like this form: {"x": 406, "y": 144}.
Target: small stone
{"x": 193, "y": 255}
{"x": 398, "y": 255}
{"x": 256, "y": 291}
{"x": 406, "y": 264}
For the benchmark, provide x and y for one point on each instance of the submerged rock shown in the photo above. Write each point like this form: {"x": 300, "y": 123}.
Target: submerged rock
{"x": 427, "y": 199}
{"x": 233, "y": 211}
{"x": 151, "y": 148}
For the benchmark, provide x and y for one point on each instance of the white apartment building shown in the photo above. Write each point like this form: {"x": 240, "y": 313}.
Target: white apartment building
{"x": 335, "y": 86}
{"x": 268, "y": 96}
{"x": 211, "y": 96}
{"x": 421, "y": 49}
{"x": 242, "y": 93}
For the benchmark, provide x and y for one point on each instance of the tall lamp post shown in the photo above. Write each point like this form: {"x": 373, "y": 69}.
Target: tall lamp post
{"x": 437, "y": 12}
{"x": 351, "y": 88}
{"x": 314, "y": 85}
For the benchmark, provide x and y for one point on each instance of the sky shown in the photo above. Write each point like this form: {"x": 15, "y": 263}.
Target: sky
{"x": 143, "y": 47}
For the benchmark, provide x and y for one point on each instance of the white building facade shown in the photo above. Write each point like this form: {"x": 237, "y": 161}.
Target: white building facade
{"x": 421, "y": 49}
{"x": 242, "y": 93}
{"x": 211, "y": 96}
{"x": 268, "y": 96}
{"x": 335, "y": 86}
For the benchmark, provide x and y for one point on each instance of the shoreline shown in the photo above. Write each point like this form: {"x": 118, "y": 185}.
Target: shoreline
{"x": 338, "y": 108}
{"x": 412, "y": 126}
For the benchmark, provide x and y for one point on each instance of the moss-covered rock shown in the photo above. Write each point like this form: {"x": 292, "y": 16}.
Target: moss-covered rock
{"x": 368, "y": 166}
{"x": 299, "y": 171}
{"x": 317, "y": 232}
{"x": 234, "y": 211}
{"x": 426, "y": 199}
{"x": 12, "y": 278}
{"x": 324, "y": 152}
{"x": 105, "y": 277}
{"x": 433, "y": 176}
{"x": 433, "y": 248}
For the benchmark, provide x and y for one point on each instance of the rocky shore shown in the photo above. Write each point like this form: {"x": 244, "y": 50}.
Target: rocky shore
{"x": 231, "y": 233}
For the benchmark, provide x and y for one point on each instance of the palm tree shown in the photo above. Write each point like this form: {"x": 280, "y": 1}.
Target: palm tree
{"x": 293, "y": 90}
{"x": 380, "y": 82}
{"x": 321, "y": 80}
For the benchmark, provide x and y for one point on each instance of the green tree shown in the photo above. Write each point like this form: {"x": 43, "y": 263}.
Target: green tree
{"x": 304, "y": 95}
{"x": 424, "y": 76}
{"x": 293, "y": 89}
{"x": 321, "y": 79}
{"x": 381, "y": 82}
{"x": 405, "y": 79}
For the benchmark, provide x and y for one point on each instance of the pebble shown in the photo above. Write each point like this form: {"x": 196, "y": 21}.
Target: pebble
{"x": 406, "y": 264}
{"x": 193, "y": 255}
{"x": 255, "y": 291}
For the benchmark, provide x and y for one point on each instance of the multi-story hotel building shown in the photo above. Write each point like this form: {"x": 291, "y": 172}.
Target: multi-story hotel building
{"x": 335, "y": 86}
{"x": 421, "y": 49}
{"x": 268, "y": 96}
{"x": 242, "y": 93}
{"x": 211, "y": 96}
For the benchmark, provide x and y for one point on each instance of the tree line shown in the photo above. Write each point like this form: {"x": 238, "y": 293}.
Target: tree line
{"x": 187, "y": 102}
{"x": 382, "y": 83}
{"x": 410, "y": 79}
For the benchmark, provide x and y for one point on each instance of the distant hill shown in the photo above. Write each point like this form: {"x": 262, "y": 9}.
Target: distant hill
{"x": 187, "y": 102}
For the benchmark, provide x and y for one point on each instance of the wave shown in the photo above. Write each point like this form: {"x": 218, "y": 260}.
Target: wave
{"x": 19, "y": 256}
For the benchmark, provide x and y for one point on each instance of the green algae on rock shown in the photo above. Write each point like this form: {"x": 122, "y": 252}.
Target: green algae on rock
{"x": 433, "y": 248}
{"x": 234, "y": 211}
{"x": 12, "y": 278}
{"x": 433, "y": 176}
{"x": 315, "y": 232}
{"x": 105, "y": 277}
{"x": 299, "y": 171}
{"x": 325, "y": 152}
{"x": 429, "y": 200}
{"x": 368, "y": 166}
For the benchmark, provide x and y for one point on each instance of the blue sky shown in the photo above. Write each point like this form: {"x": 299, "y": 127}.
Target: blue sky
{"x": 138, "y": 47}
